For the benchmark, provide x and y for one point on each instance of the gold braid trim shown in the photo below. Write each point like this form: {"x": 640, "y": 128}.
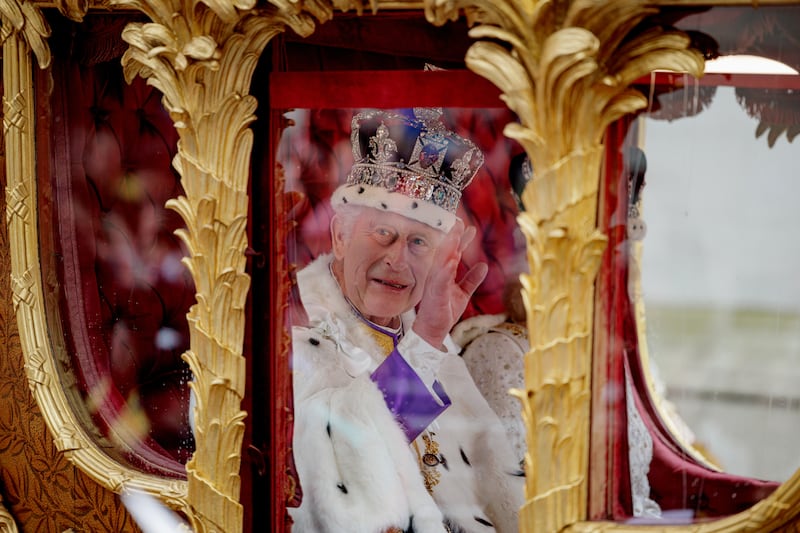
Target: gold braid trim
{"x": 429, "y": 461}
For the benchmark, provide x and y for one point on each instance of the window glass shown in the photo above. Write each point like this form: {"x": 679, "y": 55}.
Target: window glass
{"x": 315, "y": 156}
{"x": 119, "y": 292}
{"x": 719, "y": 265}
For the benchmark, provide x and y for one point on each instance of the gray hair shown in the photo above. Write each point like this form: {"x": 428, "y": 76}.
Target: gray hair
{"x": 347, "y": 215}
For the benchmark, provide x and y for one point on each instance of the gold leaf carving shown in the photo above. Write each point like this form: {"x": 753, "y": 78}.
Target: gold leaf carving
{"x": 202, "y": 57}
{"x": 566, "y": 74}
{"x": 202, "y": 60}
{"x": 73, "y": 9}
{"x": 7, "y": 524}
{"x": 26, "y": 19}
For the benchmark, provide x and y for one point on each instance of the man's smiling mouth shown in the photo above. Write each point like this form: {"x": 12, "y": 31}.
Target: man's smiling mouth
{"x": 391, "y": 284}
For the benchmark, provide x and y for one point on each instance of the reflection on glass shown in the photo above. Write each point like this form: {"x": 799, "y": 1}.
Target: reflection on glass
{"x": 124, "y": 293}
{"x": 719, "y": 273}
{"x": 747, "y": 64}
{"x": 381, "y": 389}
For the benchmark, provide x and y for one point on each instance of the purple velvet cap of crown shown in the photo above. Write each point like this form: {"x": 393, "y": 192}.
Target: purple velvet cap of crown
{"x": 413, "y": 166}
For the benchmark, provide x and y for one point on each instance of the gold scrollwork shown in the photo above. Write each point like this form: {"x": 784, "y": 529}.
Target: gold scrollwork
{"x": 24, "y": 20}
{"x": 7, "y": 524}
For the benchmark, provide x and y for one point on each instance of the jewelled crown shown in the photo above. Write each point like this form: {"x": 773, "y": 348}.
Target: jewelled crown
{"x": 411, "y": 165}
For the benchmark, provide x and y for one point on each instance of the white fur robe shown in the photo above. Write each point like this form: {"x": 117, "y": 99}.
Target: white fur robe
{"x": 357, "y": 472}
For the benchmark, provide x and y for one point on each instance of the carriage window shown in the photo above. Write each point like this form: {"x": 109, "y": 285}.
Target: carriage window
{"x": 718, "y": 268}
{"x": 118, "y": 294}
{"x": 323, "y": 137}
{"x": 368, "y": 188}
{"x": 718, "y": 255}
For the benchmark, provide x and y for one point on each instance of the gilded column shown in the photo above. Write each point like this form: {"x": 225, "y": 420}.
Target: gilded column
{"x": 202, "y": 55}
{"x": 565, "y": 68}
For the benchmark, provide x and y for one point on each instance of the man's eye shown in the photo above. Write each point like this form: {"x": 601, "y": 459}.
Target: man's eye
{"x": 384, "y": 235}
{"x": 418, "y": 245}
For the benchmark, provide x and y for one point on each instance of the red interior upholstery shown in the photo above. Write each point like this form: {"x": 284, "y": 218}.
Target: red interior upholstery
{"x": 126, "y": 292}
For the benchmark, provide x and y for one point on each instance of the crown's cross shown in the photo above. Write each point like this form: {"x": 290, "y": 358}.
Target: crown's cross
{"x": 429, "y": 152}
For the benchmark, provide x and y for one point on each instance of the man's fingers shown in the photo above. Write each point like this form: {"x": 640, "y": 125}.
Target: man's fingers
{"x": 451, "y": 243}
{"x": 466, "y": 237}
{"x": 473, "y": 278}
{"x": 454, "y": 244}
{"x": 442, "y": 277}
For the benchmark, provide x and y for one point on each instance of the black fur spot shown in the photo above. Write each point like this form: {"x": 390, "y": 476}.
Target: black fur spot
{"x": 344, "y": 199}
{"x": 414, "y": 205}
{"x": 383, "y": 205}
{"x": 328, "y": 429}
{"x": 439, "y": 223}
{"x": 360, "y": 190}
{"x": 341, "y": 487}
{"x": 464, "y": 457}
{"x": 483, "y": 521}
{"x": 314, "y": 341}
{"x": 451, "y": 526}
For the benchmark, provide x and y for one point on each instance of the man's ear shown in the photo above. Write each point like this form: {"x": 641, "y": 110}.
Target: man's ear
{"x": 337, "y": 237}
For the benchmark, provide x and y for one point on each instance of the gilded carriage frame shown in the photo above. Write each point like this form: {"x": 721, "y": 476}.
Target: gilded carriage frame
{"x": 563, "y": 71}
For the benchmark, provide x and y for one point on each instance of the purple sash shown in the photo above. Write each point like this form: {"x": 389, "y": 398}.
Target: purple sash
{"x": 407, "y": 397}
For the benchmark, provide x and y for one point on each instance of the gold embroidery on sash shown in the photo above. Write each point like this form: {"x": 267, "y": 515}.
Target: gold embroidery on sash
{"x": 385, "y": 342}
{"x": 429, "y": 461}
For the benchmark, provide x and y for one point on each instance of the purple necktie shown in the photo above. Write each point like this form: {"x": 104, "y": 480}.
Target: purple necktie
{"x": 407, "y": 397}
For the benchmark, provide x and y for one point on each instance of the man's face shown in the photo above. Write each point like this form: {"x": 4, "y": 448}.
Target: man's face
{"x": 383, "y": 262}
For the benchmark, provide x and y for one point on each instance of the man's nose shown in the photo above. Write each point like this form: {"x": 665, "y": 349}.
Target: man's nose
{"x": 396, "y": 254}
